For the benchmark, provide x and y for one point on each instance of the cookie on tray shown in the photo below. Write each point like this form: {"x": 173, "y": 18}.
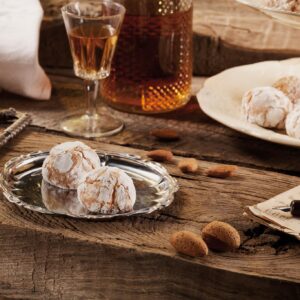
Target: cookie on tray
{"x": 68, "y": 164}
{"x": 107, "y": 190}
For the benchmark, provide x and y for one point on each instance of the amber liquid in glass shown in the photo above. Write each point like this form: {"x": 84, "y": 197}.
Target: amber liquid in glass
{"x": 92, "y": 48}
{"x": 152, "y": 67}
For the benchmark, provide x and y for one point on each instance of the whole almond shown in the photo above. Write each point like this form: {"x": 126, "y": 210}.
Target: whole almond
{"x": 220, "y": 236}
{"x": 188, "y": 165}
{"x": 160, "y": 155}
{"x": 167, "y": 135}
{"x": 221, "y": 171}
{"x": 188, "y": 243}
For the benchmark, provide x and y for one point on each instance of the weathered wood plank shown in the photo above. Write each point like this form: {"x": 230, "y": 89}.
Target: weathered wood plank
{"x": 200, "y": 136}
{"x": 226, "y": 34}
{"x": 44, "y": 266}
{"x": 264, "y": 253}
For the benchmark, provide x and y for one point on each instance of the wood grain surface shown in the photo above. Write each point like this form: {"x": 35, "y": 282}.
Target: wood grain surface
{"x": 50, "y": 257}
{"x": 202, "y": 137}
{"x": 64, "y": 258}
{"x": 226, "y": 34}
{"x": 126, "y": 251}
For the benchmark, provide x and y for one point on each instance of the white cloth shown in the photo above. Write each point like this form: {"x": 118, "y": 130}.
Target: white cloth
{"x": 20, "y": 71}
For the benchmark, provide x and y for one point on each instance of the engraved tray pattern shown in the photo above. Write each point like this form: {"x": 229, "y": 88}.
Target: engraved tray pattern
{"x": 21, "y": 182}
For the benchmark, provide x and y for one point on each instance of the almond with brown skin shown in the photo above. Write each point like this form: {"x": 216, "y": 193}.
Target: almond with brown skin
{"x": 188, "y": 243}
{"x": 165, "y": 135}
{"x": 221, "y": 171}
{"x": 160, "y": 155}
{"x": 188, "y": 165}
{"x": 220, "y": 236}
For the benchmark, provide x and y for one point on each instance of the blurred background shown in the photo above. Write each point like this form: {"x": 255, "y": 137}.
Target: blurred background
{"x": 226, "y": 34}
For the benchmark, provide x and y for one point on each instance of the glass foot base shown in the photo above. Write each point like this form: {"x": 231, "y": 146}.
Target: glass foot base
{"x": 89, "y": 127}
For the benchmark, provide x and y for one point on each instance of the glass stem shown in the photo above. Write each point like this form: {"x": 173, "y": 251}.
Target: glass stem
{"x": 92, "y": 90}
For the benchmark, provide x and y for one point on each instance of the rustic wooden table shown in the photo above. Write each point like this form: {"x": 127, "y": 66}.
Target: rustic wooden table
{"x": 47, "y": 257}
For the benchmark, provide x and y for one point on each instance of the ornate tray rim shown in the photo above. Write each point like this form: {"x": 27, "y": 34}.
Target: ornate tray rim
{"x": 173, "y": 187}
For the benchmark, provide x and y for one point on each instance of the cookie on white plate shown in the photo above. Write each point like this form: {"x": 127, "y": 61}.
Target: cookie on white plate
{"x": 286, "y": 5}
{"x": 266, "y": 107}
{"x": 292, "y": 124}
{"x": 290, "y": 86}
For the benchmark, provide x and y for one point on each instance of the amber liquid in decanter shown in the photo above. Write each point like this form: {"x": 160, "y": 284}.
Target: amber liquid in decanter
{"x": 152, "y": 67}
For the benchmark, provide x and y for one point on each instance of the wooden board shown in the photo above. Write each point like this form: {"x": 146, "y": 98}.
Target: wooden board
{"x": 201, "y": 137}
{"x": 63, "y": 258}
{"x": 226, "y": 34}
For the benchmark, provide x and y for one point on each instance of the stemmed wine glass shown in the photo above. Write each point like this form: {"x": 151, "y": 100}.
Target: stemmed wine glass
{"x": 93, "y": 28}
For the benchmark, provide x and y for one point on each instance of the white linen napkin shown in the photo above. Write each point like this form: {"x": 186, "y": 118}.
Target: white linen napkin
{"x": 20, "y": 71}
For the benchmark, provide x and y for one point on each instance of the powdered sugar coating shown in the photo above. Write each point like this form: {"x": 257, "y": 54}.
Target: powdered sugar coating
{"x": 68, "y": 164}
{"x": 266, "y": 107}
{"x": 292, "y": 123}
{"x": 107, "y": 190}
{"x": 286, "y": 5}
{"x": 290, "y": 86}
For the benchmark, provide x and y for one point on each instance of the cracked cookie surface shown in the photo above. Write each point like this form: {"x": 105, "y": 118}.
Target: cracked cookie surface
{"x": 266, "y": 107}
{"x": 68, "y": 164}
{"x": 107, "y": 190}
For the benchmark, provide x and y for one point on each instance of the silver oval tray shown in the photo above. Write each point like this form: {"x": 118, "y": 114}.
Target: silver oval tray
{"x": 22, "y": 184}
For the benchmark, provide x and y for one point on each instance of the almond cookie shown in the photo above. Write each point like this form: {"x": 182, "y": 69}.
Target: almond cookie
{"x": 266, "y": 107}
{"x": 290, "y": 86}
{"x": 107, "y": 190}
{"x": 160, "y": 155}
{"x": 220, "y": 236}
{"x": 188, "y": 243}
{"x": 188, "y": 165}
{"x": 68, "y": 163}
{"x": 221, "y": 171}
{"x": 165, "y": 135}
{"x": 292, "y": 123}
{"x": 287, "y": 5}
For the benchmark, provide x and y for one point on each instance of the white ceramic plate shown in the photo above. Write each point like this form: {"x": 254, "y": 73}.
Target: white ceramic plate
{"x": 221, "y": 96}
{"x": 285, "y": 17}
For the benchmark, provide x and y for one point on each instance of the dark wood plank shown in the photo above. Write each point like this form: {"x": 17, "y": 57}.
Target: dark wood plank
{"x": 62, "y": 258}
{"x": 200, "y": 136}
{"x": 45, "y": 266}
{"x": 226, "y": 34}
{"x": 107, "y": 259}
